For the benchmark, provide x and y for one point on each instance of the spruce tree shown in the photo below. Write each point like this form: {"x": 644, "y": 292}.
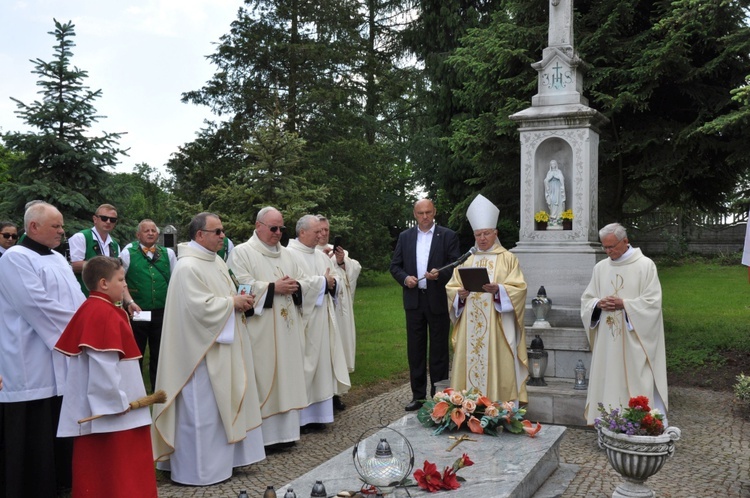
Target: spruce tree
{"x": 62, "y": 161}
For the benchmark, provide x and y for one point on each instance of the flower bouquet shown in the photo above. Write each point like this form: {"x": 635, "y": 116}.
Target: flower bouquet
{"x": 567, "y": 215}
{"x": 449, "y": 409}
{"x": 541, "y": 217}
{"x": 635, "y": 420}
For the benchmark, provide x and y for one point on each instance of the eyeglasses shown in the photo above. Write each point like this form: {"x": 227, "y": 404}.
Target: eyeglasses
{"x": 13, "y": 236}
{"x": 217, "y": 231}
{"x": 274, "y": 228}
{"x": 608, "y": 248}
{"x": 107, "y": 219}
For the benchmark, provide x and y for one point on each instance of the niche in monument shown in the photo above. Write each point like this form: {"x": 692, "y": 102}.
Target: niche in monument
{"x": 552, "y": 173}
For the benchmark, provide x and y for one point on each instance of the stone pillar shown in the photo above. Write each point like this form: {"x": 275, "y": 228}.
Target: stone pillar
{"x": 561, "y": 260}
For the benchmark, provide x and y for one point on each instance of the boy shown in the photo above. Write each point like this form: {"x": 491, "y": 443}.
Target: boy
{"x": 111, "y": 453}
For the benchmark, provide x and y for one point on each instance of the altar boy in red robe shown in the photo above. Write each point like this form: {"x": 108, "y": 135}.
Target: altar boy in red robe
{"x": 111, "y": 453}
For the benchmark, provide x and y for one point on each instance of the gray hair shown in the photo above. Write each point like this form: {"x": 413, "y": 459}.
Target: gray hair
{"x": 199, "y": 223}
{"x": 320, "y": 217}
{"x": 31, "y": 203}
{"x": 263, "y": 212}
{"x": 36, "y": 212}
{"x": 304, "y": 222}
{"x": 140, "y": 225}
{"x": 613, "y": 228}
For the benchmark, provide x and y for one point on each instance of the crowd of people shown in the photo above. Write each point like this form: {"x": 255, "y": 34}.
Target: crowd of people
{"x": 249, "y": 352}
{"x": 252, "y": 345}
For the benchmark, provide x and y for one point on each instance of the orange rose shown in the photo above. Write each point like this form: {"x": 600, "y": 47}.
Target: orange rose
{"x": 458, "y": 416}
{"x": 475, "y": 425}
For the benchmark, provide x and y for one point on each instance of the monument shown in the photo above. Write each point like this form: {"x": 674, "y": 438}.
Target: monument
{"x": 559, "y": 137}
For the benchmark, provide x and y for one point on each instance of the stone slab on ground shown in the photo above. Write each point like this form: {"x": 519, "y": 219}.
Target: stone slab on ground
{"x": 510, "y": 465}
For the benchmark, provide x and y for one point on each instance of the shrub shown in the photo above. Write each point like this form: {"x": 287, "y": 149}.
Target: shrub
{"x": 742, "y": 388}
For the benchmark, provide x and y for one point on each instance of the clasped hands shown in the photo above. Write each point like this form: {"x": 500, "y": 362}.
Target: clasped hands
{"x": 610, "y": 303}
{"x": 244, "y": 302}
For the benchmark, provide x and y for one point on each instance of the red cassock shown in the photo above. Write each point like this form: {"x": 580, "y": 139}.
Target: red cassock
{"x": 118, "y": 463}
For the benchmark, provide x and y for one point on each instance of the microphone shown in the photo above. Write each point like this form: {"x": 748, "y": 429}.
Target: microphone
{"x": 457, "y": 262}
{"x": 464, "y": 257}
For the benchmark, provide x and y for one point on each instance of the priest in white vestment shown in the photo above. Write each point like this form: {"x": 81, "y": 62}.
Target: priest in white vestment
{"x": 489, "y": 338}
{"x": 348, "y": 271}
{"x": 211, "y": 421}
{"x": 276, "y": 327}
{"x": 38, "y": 296}
{"x": 621, "y": 311}
{"x": 325, "y": 365}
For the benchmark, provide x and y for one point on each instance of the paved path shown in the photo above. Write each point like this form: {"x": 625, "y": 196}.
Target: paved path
{"x": 711, "y": 460}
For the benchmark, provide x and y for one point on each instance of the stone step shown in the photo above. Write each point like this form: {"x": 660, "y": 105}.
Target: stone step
{"x": 564, "y": 346}
{"x": 510, "y": 465}
{"x": 556, "y": 403}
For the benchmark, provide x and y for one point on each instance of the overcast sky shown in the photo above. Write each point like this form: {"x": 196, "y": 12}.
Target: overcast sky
{"x": 142, "y": 54}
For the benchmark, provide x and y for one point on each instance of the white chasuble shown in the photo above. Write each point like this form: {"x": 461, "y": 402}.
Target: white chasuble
{"x": 489, "y": 340}
{"x": 628, "y": 352}
{"x": 276, "y": 335}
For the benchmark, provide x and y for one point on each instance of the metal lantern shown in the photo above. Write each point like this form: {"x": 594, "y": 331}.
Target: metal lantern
{"x": 541, "y": 305}
{"x": 388, "y": 466}
{"x": 581, "y": 382}
{"x": 537, "y": 362}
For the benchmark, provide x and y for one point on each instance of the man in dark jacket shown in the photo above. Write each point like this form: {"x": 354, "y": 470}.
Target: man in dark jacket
{"x": 420, "y": 251}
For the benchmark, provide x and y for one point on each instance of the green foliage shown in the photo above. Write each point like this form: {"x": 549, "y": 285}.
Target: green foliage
{"x": 742, "y": 388}
{"x": 318, "y": 111}
{"x": 142, "y": 194}
{"x": 63, "y": 162}
{"x": 273, "y": 174}
{"x": 660, "y": 71}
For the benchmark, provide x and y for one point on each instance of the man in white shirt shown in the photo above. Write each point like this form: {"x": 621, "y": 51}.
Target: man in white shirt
{"x": 148, "y": 267}
{"x": 95, "y": 241}
{"x": 38, "y": 296}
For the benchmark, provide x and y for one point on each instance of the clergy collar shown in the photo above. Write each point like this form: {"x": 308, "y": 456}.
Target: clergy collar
{"x": 196, "y": 245}
{"x": 273, "y": 250}
{"x": 35, "y": 246}
{"x": 626, "y": 255}
{"x": 302, "y": 247}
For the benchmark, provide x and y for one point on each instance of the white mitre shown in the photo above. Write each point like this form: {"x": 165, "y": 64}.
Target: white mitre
{"x": 482, "y": 213}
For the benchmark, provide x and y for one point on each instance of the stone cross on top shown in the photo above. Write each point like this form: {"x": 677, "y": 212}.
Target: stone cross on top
{"x": 560, "y": 70}
{"x": 560, "y": 23}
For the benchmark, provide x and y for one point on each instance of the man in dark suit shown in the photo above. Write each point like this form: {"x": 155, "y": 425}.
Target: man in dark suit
{"x": 419, "y": 248}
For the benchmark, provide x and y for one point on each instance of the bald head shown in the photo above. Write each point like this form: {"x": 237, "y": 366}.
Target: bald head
{"x": 424, "y": 213}
{"x": 44, "y": 224}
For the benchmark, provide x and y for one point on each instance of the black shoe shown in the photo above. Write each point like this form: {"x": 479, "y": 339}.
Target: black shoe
{"x": 312, "y": 427}
{"x": 338, "y": 404}
{"x": 413, "y": 406}
{"x": 271, "y": 448}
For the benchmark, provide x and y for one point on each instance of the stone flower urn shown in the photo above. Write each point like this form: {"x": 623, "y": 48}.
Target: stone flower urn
{"x": 636, "y": 458}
